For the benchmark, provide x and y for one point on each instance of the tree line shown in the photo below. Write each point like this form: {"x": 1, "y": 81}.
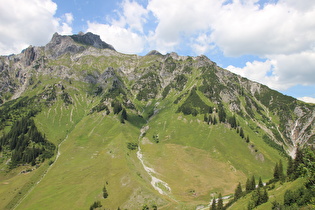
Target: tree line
{"x": 27, "y": 144}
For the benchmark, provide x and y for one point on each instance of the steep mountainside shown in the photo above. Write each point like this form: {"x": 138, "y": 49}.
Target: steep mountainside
{"x": 159, "y": 130}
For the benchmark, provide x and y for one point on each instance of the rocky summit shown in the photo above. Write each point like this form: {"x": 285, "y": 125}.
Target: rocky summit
{"x": 83, "y": 125}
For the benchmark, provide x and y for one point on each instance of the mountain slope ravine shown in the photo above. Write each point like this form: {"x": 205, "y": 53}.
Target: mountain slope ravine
{"x": 158, "y": 184}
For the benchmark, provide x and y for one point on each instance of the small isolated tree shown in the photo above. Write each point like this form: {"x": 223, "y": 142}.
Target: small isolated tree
{"x": 105, "y": 194}
{"x": 241, "y": 132}
{"x": 232, "y": 122}
{"x": 124, "y": 114}
{"x": 247, "y": 139}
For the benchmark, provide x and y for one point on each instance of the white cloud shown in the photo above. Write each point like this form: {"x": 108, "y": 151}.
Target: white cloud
{"x": 178, "y": 20}
{"x": 121, "y": 39}
{"x": 64, "y": 24}
{"x": 69, "y": 18}
{"x": 201, "y": 44}
{"x": 133, "y": 16}
{"x": 24, "y": 23}
{"x": 307, "y": 99}
{"x": 275, "y": 29}
{"x": 259, "y": 71}
{"x": 281, "y": 72}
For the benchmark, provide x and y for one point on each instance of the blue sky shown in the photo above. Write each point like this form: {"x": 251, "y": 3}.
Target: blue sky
{"x": 268, "y": 41}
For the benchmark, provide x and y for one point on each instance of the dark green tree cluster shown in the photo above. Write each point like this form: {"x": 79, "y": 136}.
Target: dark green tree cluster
{"x": 302, "y": 166}
{"x": 26, "y": 143}
{"x": 66, "y": 98}
{"x": 295, "y": 199}
{"x": 100, "y": 107}
{"x": 156, "y": 138}
{"x": 105, "y": 193}
{"x": 132, "y": 146}
{"x": 116, "y": 105}
{"x": 232, "y": 122}
{"x": 222, "y": 114}
{"x": 278, "y": 174}
{"x": 250, "y": 184}
{"x": 259, "y": 196}
{"x": 95, "y": 205}
{"x": 210, "y": 119}
{"x": 123, "y": 116}
{"x": 217, "y": 204}
{"x": 193, "y": 105}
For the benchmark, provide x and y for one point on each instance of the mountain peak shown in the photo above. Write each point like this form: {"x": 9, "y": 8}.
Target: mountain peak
{"x": 153, "y": 52}
{"x": 92, "y": 40}
{"x": 61, "y": 44}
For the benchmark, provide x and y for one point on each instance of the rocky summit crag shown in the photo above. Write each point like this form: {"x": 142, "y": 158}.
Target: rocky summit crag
{"x": 149, "y": 129}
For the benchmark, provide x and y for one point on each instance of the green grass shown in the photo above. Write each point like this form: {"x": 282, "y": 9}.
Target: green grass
{"x": 94, "y": 153}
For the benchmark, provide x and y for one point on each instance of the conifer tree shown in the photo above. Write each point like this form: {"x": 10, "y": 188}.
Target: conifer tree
{"x": 253, "y": 183}
{"x": 213, "y": 205}
{"x": 290, "y": 168}
{"x": 238, "y": 191}
{"x": 260, "y": 183}
{"x": 247, "y": 139}
{"x": 205, "y": 118}
{"x": 265, "y": 196}
{"x": 241, "y": 132}
{"x": 248, "y": 186}
{"x": 124, "y": 114}
{"x": 276, "y": 172}
{"x": 280, "y": 168}
{"x": 105, "y": 194}
{"x": 232, "y": 121}
{"x": 220, "y": 203}
{"x": 210, "y": 120}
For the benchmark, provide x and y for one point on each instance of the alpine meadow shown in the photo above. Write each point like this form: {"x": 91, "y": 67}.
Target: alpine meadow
{"x": 86, "y": 127}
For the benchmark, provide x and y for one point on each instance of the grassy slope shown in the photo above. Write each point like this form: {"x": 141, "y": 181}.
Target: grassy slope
{"x": 192, "y": 155}
{"x": 94, "y": 153}
{"x": 197, "y": 160}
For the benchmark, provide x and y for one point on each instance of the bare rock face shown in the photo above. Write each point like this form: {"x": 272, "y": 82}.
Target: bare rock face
{"x": 154, "y": 52}
{"x": 92, "y": 40}
{"x": 29, "y": 55}
{"x": 60, "y": 45}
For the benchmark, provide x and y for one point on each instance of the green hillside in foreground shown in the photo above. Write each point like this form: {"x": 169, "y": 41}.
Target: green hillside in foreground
{"x": 85, "y": 128}
{"x": 196, "y": 159}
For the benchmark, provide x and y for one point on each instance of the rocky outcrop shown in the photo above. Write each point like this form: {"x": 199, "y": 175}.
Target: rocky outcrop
{"x": 29, "y": 55}
{"x": 60, "y": 45}
{"x": 154, "y": 52}
{"x": 92, "y": 40}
